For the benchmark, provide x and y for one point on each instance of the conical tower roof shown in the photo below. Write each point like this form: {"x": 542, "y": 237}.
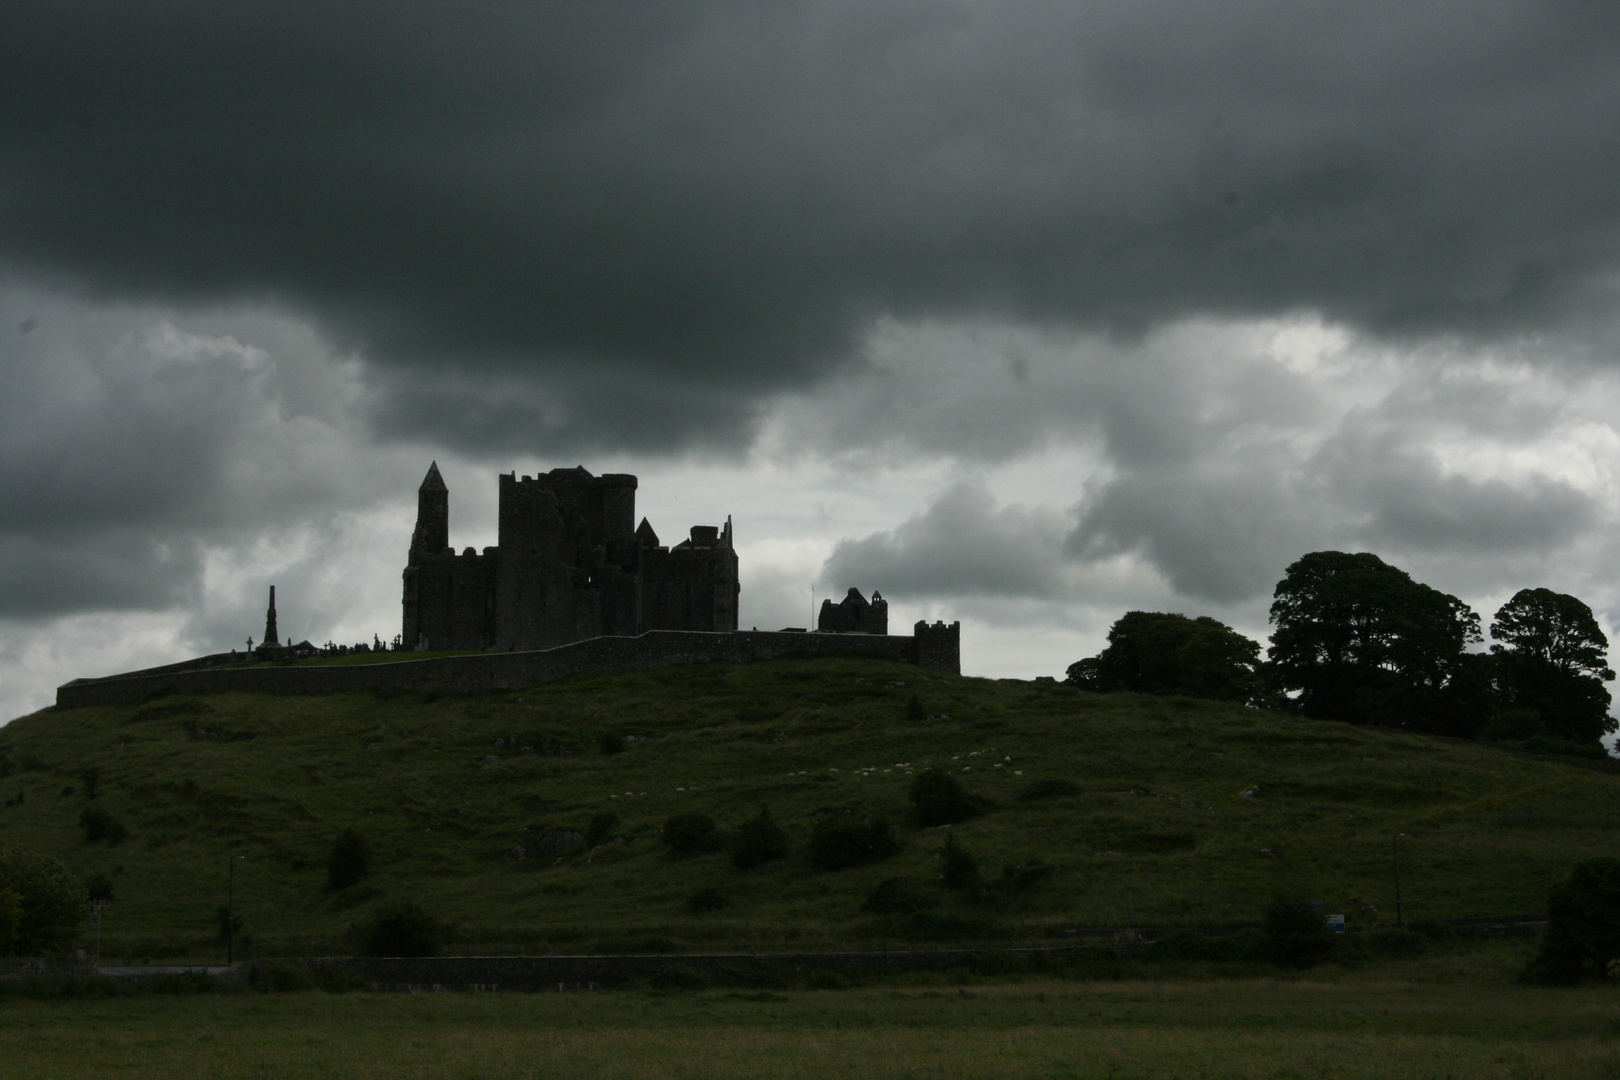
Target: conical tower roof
{"x": 433, "y": 481}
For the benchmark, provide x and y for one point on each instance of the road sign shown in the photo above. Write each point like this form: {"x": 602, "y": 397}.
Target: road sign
{"x": 1336, "y": 923}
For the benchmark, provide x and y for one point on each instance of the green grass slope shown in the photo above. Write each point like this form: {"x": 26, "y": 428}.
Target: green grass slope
{"x": 1159, "y": 833}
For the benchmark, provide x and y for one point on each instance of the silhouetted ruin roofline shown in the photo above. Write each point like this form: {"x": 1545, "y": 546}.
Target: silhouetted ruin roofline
{"x": 433, "y": 481}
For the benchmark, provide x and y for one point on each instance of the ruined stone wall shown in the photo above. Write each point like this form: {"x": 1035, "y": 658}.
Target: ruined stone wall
{"x": 450, "y": 600}
{"x": 497, "y": 671}
{"x": 690, "y": 587}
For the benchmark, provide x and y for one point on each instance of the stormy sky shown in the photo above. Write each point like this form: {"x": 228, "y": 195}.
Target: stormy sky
{"x": 1025, "y": 313}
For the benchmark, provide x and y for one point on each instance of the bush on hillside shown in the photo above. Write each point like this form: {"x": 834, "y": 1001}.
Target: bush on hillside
{"x": 959, "y": 869}
{"x": 940, "y": 800}
{"x": 1582, "y": 940}
{"x": 100, "y": 887}
{"x": 99, "y": 825}
{"x": 229, "y": 924}
{"x": 402, "y": 929}
{"x": 898, "y": 896}
{"x": 690, "y": 834}
{"x": 11, "y": 913}
{"x": 600, "y": 829}
{"x": 349, "y": 861}
{"x": 1296, "y": 933}
{"x": 610, "y": 743}
{"x": 758, "y": 841}
{"x": 837, "y": 844}
{"x": 50, "y": 906}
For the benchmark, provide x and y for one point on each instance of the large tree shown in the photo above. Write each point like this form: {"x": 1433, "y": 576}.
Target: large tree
{"x": 1358, "y": 640}
{"x": 1152, "y": 652}
{"x": 1582, "y": 941}
{"x": 49, "y": 906}
{"x": 1551, "y": 659}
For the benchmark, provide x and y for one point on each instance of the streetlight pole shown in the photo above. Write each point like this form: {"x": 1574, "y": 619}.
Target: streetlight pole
{"x": 1395, "y": 845}
{"x": 230, "y": 914}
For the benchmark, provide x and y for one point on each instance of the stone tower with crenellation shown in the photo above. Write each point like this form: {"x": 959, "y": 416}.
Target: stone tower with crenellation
{"x": 570, "y": 564}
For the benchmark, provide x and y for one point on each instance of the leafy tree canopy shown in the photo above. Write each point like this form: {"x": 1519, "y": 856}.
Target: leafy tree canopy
{"x": 1552, "y": 660}
{"x": 1152, "y": 652}
{"x": 1359, "y": 640}
{"x": 1553, "y": 628}
{"x": 51, "y": 905}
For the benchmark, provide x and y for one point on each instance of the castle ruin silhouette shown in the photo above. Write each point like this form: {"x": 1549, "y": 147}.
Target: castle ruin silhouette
{"x": 570, "y": 564}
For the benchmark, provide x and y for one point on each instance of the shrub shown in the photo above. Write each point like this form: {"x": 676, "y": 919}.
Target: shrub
{"x": 51, "y": 904}
{"x": 690, "y": 833}
{"x": 959, "y": 869}
{"x": 705, "y": 900}
{"x": 100, "y": 887}
{"x": 11, "y": 913}
{"x": 230, "y": 924}
{"x": 349, "y": 861}
{"x": 1582, "y": 941}
{"x": 610, "y": 743}
{"x": 1049, "y": 789}
{"x": 898, "y": 896}
{"x": 600, "y": 828}
{"x": 940, "y": 800}
{"x": 402, "y": 929}
{"x": 1296, "y": 932}
{"x": 757, "y": 841}
{"x": 99, "y": 825}
{"x": 838, "y": 844}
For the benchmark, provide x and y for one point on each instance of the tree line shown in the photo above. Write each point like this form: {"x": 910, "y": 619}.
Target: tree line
{"x": 1356, "y": 639}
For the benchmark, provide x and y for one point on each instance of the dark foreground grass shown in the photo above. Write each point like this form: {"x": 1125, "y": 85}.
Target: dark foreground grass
{"x": 1148, "y": 825}
{"x": 1319, "y": 1027}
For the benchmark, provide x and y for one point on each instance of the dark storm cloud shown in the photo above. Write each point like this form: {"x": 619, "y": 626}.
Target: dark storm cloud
{"x": 604, "y": 201}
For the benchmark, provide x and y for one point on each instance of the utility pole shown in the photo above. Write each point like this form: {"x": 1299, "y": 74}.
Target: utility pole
{"x": 1395, "y": 845}
{"x": 230, "y": 914}
{"x": 95, "y": 920}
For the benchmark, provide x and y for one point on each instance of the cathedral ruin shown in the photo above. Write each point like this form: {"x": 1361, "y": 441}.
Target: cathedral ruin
{"x": 572, "y": 587}
{"x": 570, "y": 564}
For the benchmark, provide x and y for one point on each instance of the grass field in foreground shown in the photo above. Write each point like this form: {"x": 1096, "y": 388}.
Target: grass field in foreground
{"x": 1158, "y": 833}
{"x": 1365, "y": 1026}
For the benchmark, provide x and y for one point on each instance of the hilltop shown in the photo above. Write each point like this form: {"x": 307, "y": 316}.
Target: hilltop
{"x": 448, "y": 789}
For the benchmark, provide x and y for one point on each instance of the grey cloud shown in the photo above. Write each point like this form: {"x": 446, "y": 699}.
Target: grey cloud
{"x": 1218, "y": 534}
{"x": 961, "y": 545}
{"x": 134, "y": 445}
{"x": 609, "y": 200}
{"x": 1392, "y": 491}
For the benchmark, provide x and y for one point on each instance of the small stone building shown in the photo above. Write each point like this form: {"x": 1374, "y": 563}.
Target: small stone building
{"x": 854, "y": 614}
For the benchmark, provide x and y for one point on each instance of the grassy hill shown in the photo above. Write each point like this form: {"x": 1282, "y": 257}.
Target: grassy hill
{"x": 443, "y": 790}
